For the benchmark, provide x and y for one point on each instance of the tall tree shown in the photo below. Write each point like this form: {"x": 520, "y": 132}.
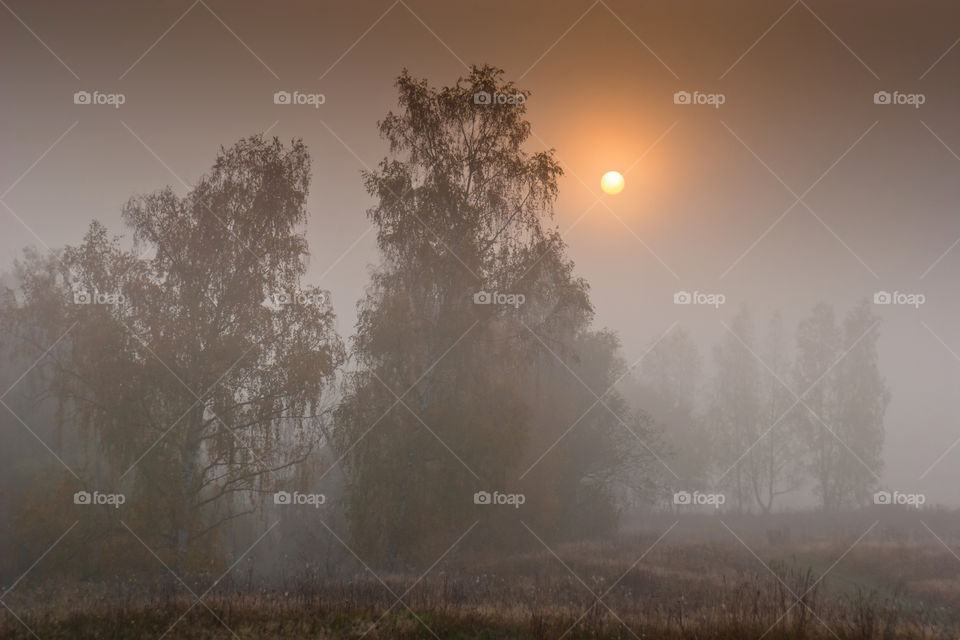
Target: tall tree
{"x": 199, "y": 368}
{"x": 818, "y": 346}
{"x": 775, "y": 460}
{"x": 668, "y": 389}
{"x": 440, "y": 405}
{"x": 864, "y": 398}
{"x": 737, "y": 404}
{"x": 845, "y": 403}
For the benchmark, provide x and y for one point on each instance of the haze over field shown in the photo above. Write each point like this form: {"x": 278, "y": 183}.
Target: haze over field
{"x": 607, "y": 268}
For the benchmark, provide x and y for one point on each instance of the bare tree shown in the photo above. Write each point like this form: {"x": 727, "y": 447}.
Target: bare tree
{"x": 736, "y": 407}
{"x": 847, "y": 398}
{"x": 669, "y": 388}
{"x": 775, "y": 461}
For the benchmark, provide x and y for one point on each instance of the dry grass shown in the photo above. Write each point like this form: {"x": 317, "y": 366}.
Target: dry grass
{"x": 688, "y": 590}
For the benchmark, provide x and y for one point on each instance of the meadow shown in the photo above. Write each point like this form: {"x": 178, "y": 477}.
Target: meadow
{"x": 793, "y": 576}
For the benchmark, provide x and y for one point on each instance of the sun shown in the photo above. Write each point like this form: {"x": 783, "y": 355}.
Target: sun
{"x": 612, "y": 182}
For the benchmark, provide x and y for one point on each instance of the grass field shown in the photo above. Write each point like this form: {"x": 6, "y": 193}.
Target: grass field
{"x": 749, "y": 583}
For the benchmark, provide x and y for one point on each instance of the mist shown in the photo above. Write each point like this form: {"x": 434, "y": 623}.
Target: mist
{"x": 319, "y": 321}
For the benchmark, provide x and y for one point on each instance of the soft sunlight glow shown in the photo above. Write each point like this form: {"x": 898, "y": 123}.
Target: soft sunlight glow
{"x": 612, "y": 182}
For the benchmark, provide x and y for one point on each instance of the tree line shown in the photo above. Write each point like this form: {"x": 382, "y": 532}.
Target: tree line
{"x": 764, "y": 423}
{"x": 198, "y": 373}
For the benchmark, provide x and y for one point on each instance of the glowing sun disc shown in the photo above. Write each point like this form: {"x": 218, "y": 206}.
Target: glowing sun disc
{"x": 612, "y": 182}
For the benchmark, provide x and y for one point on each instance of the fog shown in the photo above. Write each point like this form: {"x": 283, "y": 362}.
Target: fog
{"x": 775, "y": 156}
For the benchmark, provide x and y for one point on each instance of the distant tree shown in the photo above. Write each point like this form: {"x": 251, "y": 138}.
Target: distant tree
{"x": 775, "y": 462}
{"x": 736, "y": 408}
{"x": 864, "y": 398}
{"x": 669, "y": 390}
{"x": 198, "y": 369}
{"x": 847, "y": 399}
{"x": 444, "y": 400}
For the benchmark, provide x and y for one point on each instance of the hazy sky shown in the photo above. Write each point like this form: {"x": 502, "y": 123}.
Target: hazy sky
{"x": 711, "y": 201}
